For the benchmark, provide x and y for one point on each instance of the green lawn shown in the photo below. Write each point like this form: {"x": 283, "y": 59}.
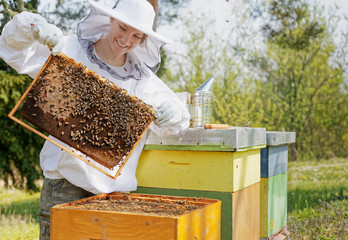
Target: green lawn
{"x": 317, "y": 204}
{"x": 19, "y": 215}
{"x": 318, "y": 200}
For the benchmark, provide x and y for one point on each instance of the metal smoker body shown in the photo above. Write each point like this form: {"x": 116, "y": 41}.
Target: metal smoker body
{"x": 202, "y": 104}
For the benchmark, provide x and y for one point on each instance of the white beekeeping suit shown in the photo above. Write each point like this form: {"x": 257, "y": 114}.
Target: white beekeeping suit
{"x": 25, "y": 54}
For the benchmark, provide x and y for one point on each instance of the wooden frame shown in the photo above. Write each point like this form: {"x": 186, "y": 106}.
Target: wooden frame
{"x": 20, "y": 101}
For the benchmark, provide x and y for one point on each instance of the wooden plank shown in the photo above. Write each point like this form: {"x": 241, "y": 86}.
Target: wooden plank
{"x": 74, "y": 224}
{"x": 200, "y": 147}
{"x": 204, "y": 224}
{"x": 215, "y": 126}
{"x": 282, "y": 234}
{"x": 273, "y": 200}
{"x": 197, "y": 170}
{"x": 239, "y": 210}
{"x": 274, "y": 160}
{"x": 246, "y": 209}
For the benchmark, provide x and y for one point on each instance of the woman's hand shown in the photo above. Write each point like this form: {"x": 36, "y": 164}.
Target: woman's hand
{"x": 47, "y": 34}
{"x": 167, "y": 114}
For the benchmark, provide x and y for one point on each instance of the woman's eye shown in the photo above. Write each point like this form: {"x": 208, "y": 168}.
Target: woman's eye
{"x": 123, "y": 28}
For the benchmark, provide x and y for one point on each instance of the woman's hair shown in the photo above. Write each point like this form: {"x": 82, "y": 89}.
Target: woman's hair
{"x": 144, "y": 38}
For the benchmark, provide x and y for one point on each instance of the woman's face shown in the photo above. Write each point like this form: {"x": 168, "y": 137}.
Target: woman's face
{"x": 123, "y": 38}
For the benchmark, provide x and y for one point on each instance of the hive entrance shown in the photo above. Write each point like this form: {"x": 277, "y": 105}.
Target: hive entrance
{"x": 87, "y": 112}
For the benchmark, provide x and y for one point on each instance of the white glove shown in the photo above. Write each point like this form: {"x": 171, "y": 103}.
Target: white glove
{"x": 167, "y": 114}
{"x": 48, "y": 34}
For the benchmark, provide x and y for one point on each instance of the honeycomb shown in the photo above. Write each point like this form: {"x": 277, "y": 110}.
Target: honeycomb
{"x": 86, "y": 111}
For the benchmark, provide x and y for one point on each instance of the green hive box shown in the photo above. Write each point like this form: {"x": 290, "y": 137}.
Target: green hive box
{"x": 240, "y": 218}
{"x": 273, "y": 204}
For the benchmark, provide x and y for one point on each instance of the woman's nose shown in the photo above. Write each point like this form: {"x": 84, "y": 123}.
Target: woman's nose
{"x": 126, "y": 38}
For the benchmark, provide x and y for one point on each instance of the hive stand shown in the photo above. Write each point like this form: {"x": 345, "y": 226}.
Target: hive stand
{"x": 273, "y": 186}
{"x": 221, "y": 164}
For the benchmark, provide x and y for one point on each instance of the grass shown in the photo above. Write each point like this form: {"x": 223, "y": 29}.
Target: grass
{"x": 318, "y": 200}
{"x": 317, "y": 204}
{"x": 19, "y": 215}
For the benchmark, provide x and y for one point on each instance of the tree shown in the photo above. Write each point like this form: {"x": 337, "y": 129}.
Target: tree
{"x": 19, "y": 158}
{"x": 302, "y": 79}
{"x": 236, "y": 95}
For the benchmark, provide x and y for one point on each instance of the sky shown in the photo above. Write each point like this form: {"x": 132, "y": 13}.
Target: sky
{"x": 220, "y": 11}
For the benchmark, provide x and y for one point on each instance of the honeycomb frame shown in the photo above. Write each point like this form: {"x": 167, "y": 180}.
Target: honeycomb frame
{"x": 95, "y": 117}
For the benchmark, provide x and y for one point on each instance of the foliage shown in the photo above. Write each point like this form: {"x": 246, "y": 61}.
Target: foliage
{"x": 168, "y": 10}
{"x": 19, "y": 158}
{"x": 65, "y": 14}
{"x": 234, "y": 94}
{"x": 295, "y": 83}
{"x": 303, "y": 79}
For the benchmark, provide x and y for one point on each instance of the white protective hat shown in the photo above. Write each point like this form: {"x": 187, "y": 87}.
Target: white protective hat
{"x": 138, "y": 14}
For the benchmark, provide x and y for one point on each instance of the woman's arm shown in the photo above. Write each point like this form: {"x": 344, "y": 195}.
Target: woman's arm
{"x": 156, "y": 93}
{"x": 20, "y": 42}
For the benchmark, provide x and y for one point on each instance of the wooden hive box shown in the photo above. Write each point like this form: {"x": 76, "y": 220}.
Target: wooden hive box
{"x": 273, "y": 207}
{"x": 223, "y": 171}
{"x": 86, "y": 112}
{"x": 137, "y": 216}
{"x": 274, "y": 160}
{"x": 240, "y": 218}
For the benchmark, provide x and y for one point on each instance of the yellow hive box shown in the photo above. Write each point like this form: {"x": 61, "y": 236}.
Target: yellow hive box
{"x": 201, "y": 220}
{"x": 199, "y": 170}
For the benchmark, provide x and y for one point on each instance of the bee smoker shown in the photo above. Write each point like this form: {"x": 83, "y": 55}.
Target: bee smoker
{"x": 201, "y": 108}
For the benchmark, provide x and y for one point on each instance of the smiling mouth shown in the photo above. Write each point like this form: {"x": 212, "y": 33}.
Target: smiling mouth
{"x": 121, "y": 45}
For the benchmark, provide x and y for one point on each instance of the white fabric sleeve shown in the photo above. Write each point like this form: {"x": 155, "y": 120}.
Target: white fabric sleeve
{"x": 154, "y": 92}
{"x": 19, "y": 49}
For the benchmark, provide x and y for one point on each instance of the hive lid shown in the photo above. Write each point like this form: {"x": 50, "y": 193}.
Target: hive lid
{"x": 200, "y": 139}
{"x": 275, "y": 138}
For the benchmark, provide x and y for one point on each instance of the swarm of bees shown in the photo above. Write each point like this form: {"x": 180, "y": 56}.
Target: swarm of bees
{"x": 154, "y": 206}
{"x": 86, "y": 111}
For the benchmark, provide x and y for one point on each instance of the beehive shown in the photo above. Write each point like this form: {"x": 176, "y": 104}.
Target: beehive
{"x": 273, "y": 192}
{"x": 86, "y": 111}
{"x": 221, "y": 164}
{"x": 137, "y": 216}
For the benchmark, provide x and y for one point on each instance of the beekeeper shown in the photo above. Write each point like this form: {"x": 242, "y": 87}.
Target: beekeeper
{"x": 118, "y": 44}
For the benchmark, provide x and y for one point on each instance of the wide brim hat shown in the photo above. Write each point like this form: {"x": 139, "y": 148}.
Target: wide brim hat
{"x": 138, "y": 14}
